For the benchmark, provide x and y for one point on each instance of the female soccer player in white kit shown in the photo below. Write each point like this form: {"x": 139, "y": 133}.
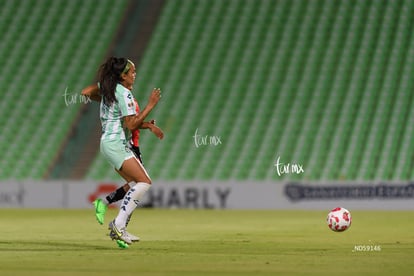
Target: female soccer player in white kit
{"x": 118, "y": 117}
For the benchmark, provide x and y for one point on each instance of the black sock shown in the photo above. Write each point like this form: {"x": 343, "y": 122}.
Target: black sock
{"x": 116, "y": 195}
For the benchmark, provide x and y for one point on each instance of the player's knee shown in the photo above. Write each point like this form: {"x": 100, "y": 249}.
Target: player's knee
{"x": 148, "y": 180}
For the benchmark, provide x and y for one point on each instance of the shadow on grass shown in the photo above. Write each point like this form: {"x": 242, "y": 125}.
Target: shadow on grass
{"x": 42, "y": 246}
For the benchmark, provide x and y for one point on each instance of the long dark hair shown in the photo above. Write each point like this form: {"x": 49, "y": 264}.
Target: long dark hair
{"x": 109, "y": 76}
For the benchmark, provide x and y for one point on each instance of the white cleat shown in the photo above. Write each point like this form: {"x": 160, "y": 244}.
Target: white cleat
{"x": 114, "y": 236}
{"x": 118, "y": 234}
{"x": 132, "y": 237}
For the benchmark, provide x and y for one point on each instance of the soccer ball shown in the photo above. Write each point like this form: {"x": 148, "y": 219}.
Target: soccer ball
{"x": 339, "y": 219}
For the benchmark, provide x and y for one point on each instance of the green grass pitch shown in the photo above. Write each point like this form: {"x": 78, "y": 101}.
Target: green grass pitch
{"x": 207, "y": 242}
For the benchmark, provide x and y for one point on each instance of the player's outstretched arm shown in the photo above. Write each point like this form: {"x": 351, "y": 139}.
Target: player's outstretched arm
{"x": 133, "y": 122}
{"x": 157, "y": 131}
{"x": 153, "y": 128}
{"x": 92, "y": 92}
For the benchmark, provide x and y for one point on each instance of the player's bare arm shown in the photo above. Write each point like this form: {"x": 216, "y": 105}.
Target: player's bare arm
{"x": 133, "y": 122}
{"x": 92, "y": 92}
{"x": 153, "y": 128}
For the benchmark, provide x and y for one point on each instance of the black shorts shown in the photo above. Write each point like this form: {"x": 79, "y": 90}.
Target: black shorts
{"x": 136, "y": 152}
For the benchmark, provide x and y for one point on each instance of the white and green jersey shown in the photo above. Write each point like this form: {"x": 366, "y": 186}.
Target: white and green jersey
{"x": 111, "y": 116}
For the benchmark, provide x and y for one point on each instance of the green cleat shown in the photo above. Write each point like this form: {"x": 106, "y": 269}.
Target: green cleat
{"x": 100, "y": 210}
{"x": 122, "y": 244}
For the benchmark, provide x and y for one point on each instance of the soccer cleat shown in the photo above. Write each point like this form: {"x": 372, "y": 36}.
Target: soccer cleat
{"x": 122, "y": 244}
{"x": 113, "y": 235}
{"x": 133, "y": 238}
{"x": 118, "y": 234}
{"x": 100, "y": 210}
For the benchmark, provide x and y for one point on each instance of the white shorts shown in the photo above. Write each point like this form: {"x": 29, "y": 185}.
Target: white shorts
{"x": 116, "y": 152}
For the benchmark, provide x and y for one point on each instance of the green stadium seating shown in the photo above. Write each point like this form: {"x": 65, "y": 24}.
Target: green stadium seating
{"x": 46, "y": 47}
{"x": 326, "y": 84}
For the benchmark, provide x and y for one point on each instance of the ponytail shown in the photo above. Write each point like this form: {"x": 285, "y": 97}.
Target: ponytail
{"x": 109, "y": 76}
